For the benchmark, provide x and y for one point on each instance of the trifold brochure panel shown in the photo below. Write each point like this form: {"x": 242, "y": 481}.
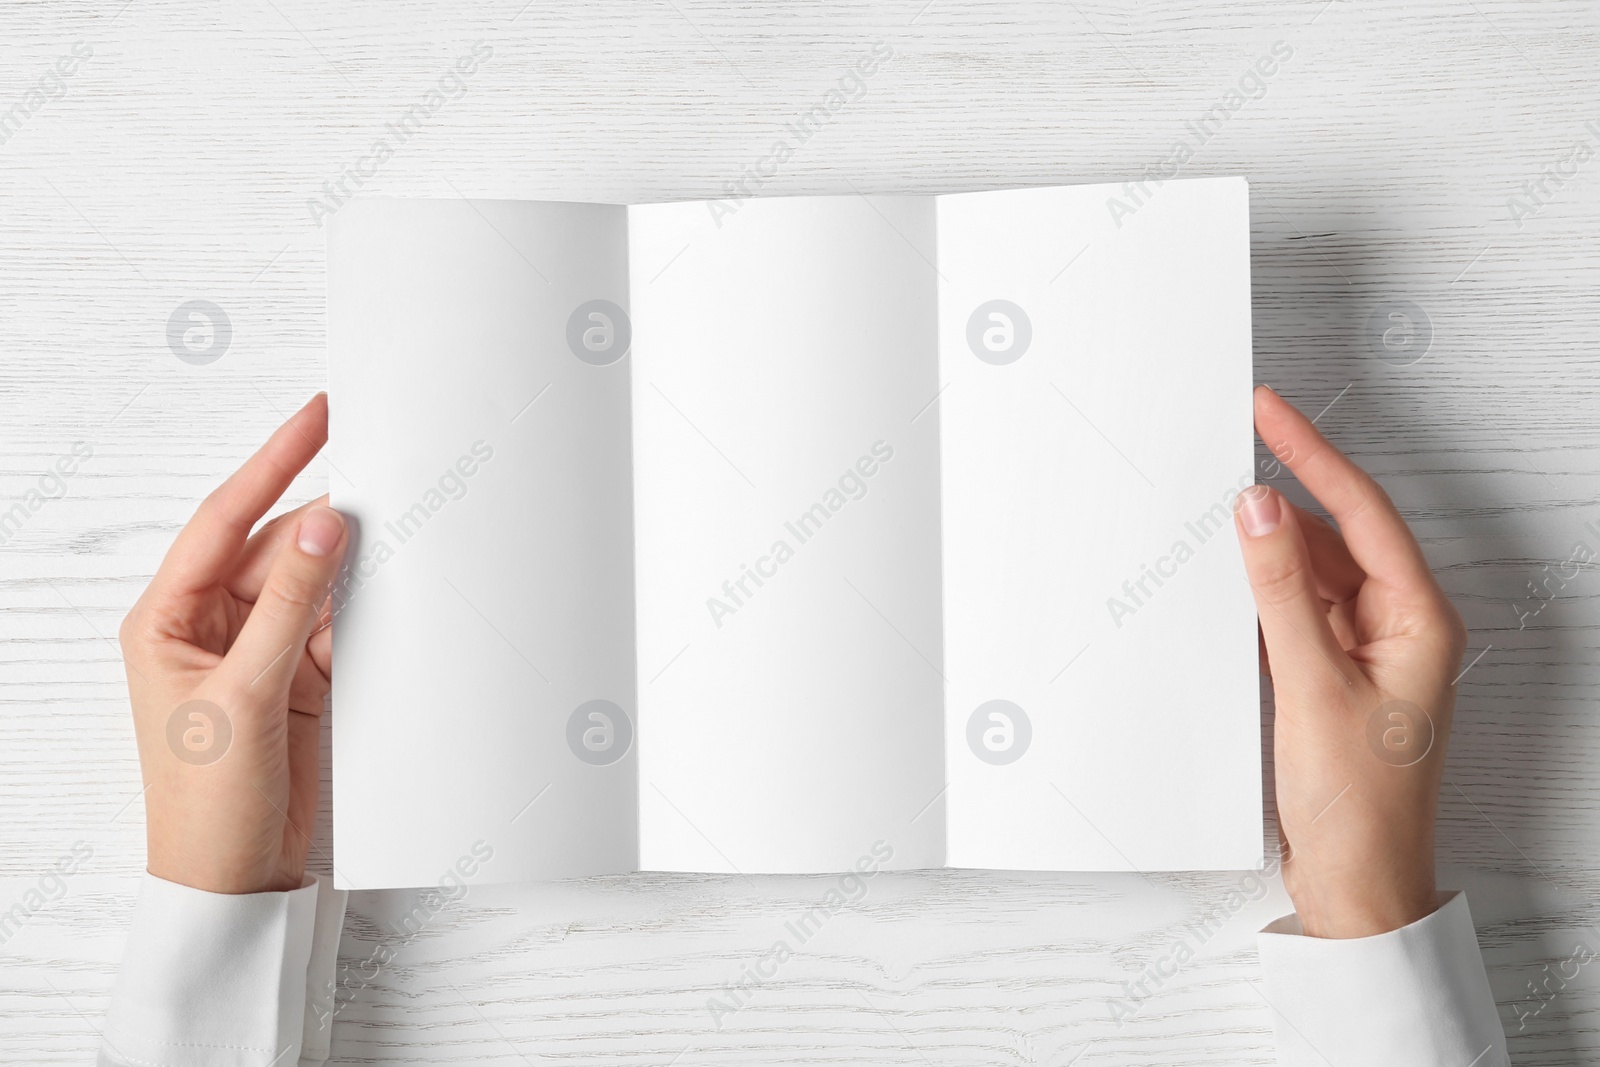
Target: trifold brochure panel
{"x": 792, "y": 535}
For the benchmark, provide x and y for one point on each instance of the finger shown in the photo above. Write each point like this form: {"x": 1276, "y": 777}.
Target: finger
{"x": 320, "y": 649}
{"x": 309, "y": 686}
{"x": 1294, "y": 622}
{"x": 251, "y": 566}
{"x": 1377, "y": 536}
{"x": 272, "y": 641}
{"x": 207, "y": 547}
{"x": 1375, "y": 533}
{"x": 1338, "y": 575}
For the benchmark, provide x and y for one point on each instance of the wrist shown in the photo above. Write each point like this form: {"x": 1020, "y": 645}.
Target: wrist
{"x": 218, "y": 870}
{"x": 221, "y": 883}
{"x": 1366, "y": 910}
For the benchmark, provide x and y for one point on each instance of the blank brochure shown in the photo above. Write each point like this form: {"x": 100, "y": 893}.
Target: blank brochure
{"x": 788, "y": 535}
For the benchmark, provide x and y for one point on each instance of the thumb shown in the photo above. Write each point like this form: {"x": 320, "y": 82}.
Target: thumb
{"x": 268, "y": 649}
{"x": 1294, "y": 622}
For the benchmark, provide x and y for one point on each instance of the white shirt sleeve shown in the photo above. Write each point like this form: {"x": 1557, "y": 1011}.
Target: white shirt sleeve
{"x": 1417, "y": 996}
{"x": 220, "y": 980}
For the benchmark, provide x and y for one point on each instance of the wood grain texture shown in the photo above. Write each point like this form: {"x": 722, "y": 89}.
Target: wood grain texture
{"x": 179, "y": 164}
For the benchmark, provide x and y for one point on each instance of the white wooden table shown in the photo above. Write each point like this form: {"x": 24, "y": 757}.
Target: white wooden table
{"x": 180, "y": 161}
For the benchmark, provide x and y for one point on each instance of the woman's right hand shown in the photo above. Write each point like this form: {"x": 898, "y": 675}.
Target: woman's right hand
{"x": 1363, "y": 648}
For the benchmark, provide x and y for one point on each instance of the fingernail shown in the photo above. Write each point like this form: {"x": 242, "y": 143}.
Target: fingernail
{"x": 1259, "y": 511}
{"x": 320, "y": 531}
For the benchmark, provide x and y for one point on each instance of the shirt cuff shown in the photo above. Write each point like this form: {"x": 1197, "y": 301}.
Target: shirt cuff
{"x": 1417, "y": 996}
{"x": 225, "y": 980}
